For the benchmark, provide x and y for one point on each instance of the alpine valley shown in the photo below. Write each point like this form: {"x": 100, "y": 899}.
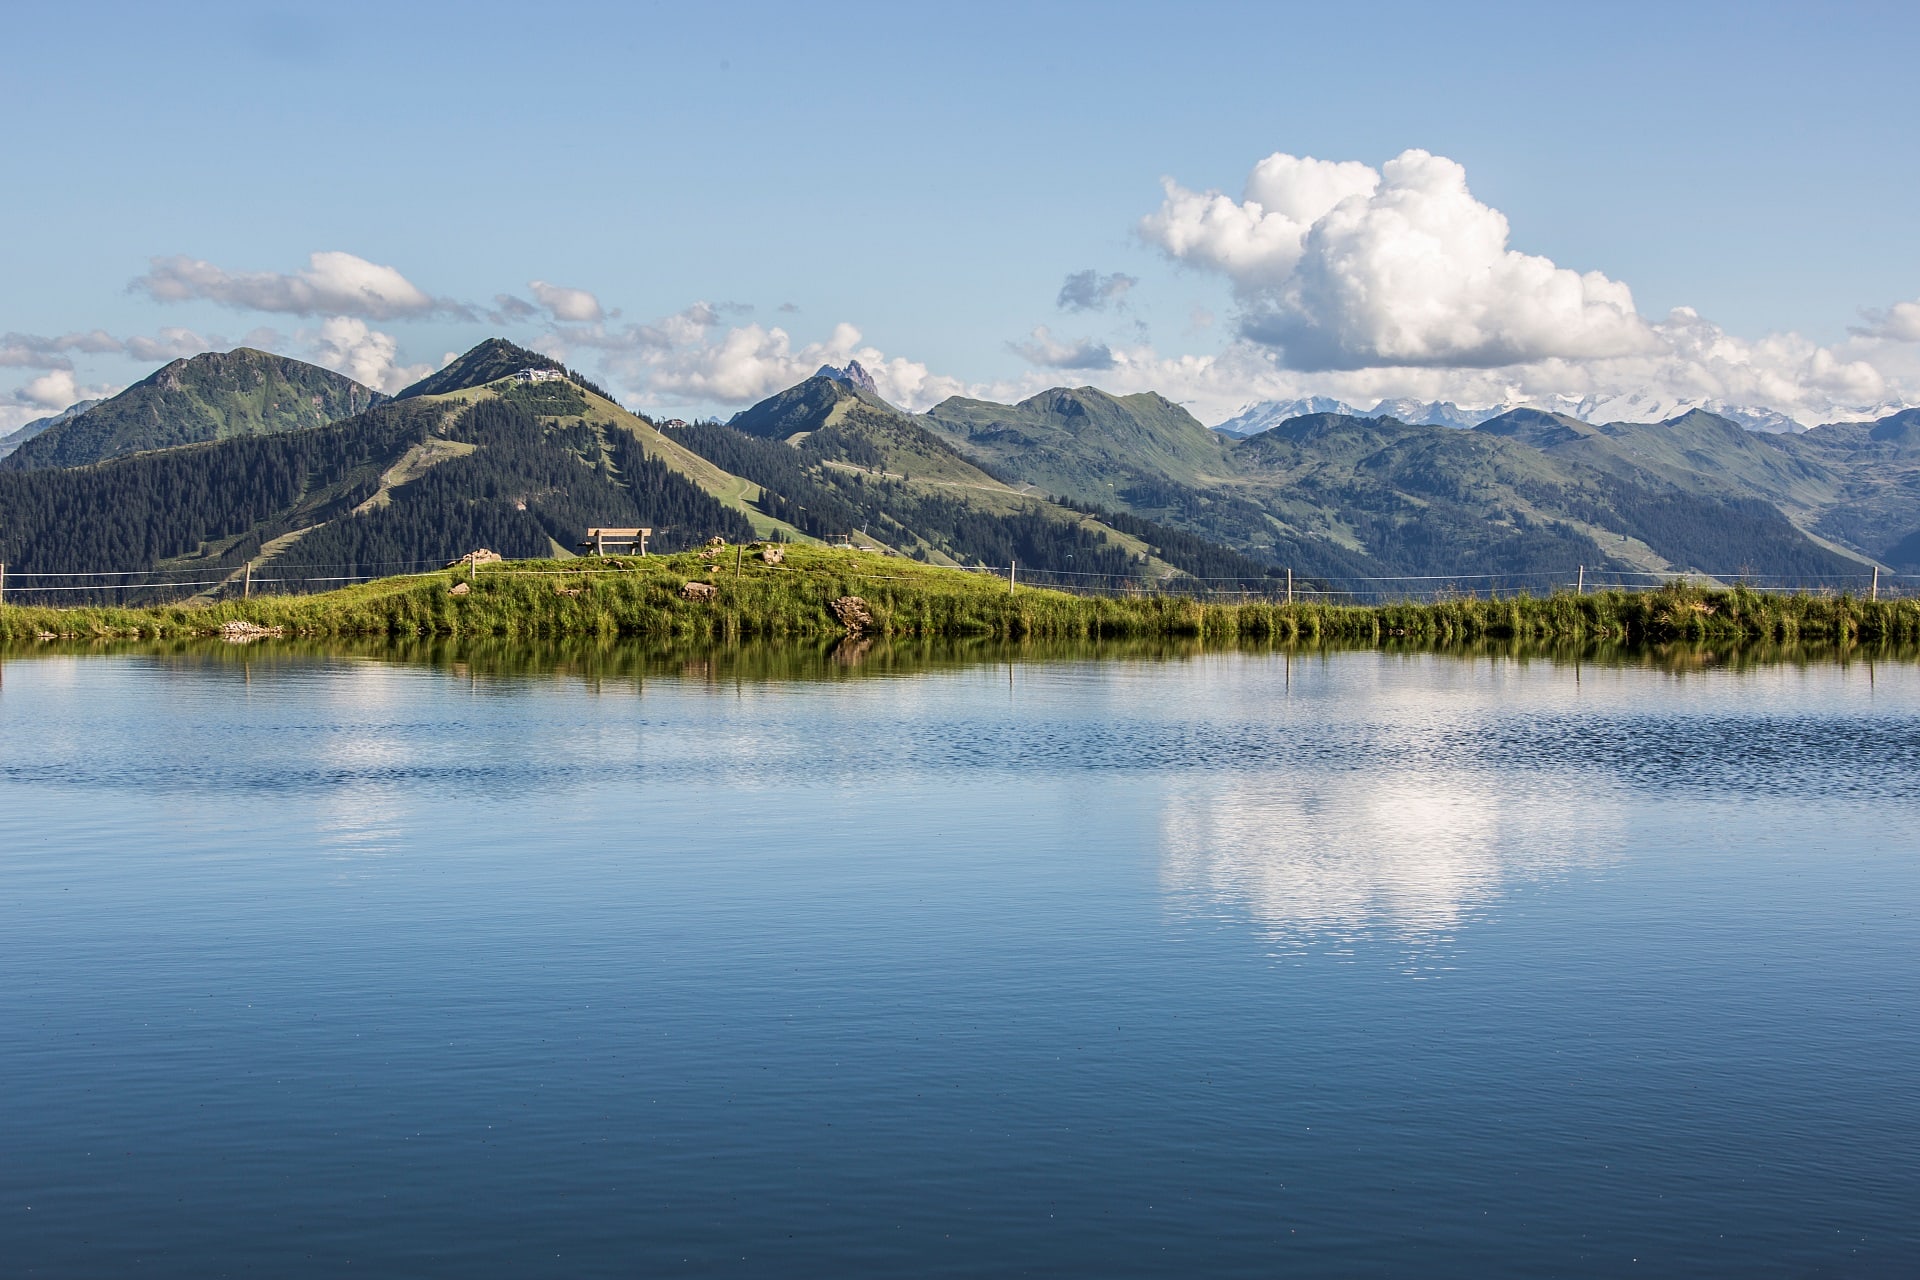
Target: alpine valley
{"x": 238, "y": 460}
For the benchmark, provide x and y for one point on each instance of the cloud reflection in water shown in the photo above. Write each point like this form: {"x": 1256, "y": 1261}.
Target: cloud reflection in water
{"x": 1326, "y": 863}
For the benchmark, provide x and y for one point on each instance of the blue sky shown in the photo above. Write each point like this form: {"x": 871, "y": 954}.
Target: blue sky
{"x": 931, "y": 176}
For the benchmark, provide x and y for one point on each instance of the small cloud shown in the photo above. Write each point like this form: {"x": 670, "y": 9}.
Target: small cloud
{"x": 789, "y": 308}
{"x": 570, "y": 306}
{"x": 172, "y": 344}
{"x": 1897, "y": 323}
{"x": 56, "y": 389}
{"x": 1043, "y": 349}
{"x": 32, "y": 351}
{"x": 1091, "y": 291}
{"x": 334, "y": 284}
{"x": 508, "y": 309}
{"x": 1199, "y": 320}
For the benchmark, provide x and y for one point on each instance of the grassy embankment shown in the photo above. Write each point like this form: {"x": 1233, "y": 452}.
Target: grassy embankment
{"x": 549, "y": 600}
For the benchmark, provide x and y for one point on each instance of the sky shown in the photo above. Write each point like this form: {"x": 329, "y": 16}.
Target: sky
{"x": 698, "y": 205}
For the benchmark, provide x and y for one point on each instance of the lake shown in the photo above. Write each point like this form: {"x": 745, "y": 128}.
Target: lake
{"x": 1359, "y": 963}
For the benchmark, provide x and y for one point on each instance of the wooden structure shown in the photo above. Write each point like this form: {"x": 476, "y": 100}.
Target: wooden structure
{"x": 619, "y": 542}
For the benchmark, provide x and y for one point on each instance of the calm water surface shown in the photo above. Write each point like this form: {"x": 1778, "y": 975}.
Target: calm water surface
{"x": 1234, "y": 965}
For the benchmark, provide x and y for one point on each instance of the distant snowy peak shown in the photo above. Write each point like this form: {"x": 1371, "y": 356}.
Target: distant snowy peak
{"x": 1645, "y": 407}
{"x": 1434, "y": 413}
{"x": 1634, "y": 407}
{"x": 1255, "y": 418}
{"x": 851, "y": 374}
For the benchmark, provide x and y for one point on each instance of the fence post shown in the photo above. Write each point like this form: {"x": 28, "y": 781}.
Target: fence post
{"x": 1289, "y": 586}
{"x": 1875, "y": 595}
{"x": 1583, "y": 579}
{"x": 246, "y": 592}
{"x": 3, "y": 581}
{"x": 1010, "y": 572}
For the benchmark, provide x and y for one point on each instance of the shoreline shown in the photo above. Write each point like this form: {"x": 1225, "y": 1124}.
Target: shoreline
{"x": 796, "y": 599}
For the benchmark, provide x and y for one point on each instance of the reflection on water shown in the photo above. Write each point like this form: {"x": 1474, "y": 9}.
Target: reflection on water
{"x": 1325, "y": 862}
{"x": 628, "y": 660}
{"x": 602, "y": 960}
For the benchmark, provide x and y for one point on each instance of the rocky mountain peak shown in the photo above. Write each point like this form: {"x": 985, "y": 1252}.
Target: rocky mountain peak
{"x": 852, "y": 374}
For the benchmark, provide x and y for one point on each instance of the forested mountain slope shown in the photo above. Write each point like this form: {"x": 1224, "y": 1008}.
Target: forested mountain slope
{"x": 215, "y": 396}
{"x": 521, "y": 470}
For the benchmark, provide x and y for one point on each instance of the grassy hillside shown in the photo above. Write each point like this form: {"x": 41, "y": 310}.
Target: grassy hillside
{"x": 805, "y": 598}
{"x": 216, "y": 396}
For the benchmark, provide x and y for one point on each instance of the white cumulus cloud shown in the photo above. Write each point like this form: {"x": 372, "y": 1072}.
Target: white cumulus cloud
{"x": 55, "y": 390}
{"x": 1362, "y": 284}
{"x": 348, "y": 345}
{"x": 334, "y": 284}
{"x": 1340, "y": 267}
{"x": 1255, "y": 241}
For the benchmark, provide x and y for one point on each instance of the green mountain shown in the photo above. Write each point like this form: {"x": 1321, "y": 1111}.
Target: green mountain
{"x": 836, "y": 460}
{"x": 840, "y": 424}
{"x": 1085, "y": 443}
{"x": 216, "y": 396}
{"x": 1528, "y": 494}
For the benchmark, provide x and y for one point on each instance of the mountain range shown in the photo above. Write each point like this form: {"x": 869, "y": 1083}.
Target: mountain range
{"x": 1636, "y": 407}
{"x": 243, "y": 458}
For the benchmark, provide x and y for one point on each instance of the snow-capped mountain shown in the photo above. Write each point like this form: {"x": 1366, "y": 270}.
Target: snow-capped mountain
{"x": 1255, "y": 418}
{"x": 1434, "y": 413}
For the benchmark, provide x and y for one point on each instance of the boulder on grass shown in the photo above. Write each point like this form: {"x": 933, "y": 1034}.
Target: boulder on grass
{"x": 699, "y": 591}
{"x": 853, "y": 614}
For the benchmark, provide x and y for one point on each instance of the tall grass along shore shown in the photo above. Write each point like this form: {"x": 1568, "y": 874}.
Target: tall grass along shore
{"x": 735, "y": 595}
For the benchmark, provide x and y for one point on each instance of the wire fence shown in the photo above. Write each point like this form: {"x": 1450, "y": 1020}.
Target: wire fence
{"x": 1280, "y": 586}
